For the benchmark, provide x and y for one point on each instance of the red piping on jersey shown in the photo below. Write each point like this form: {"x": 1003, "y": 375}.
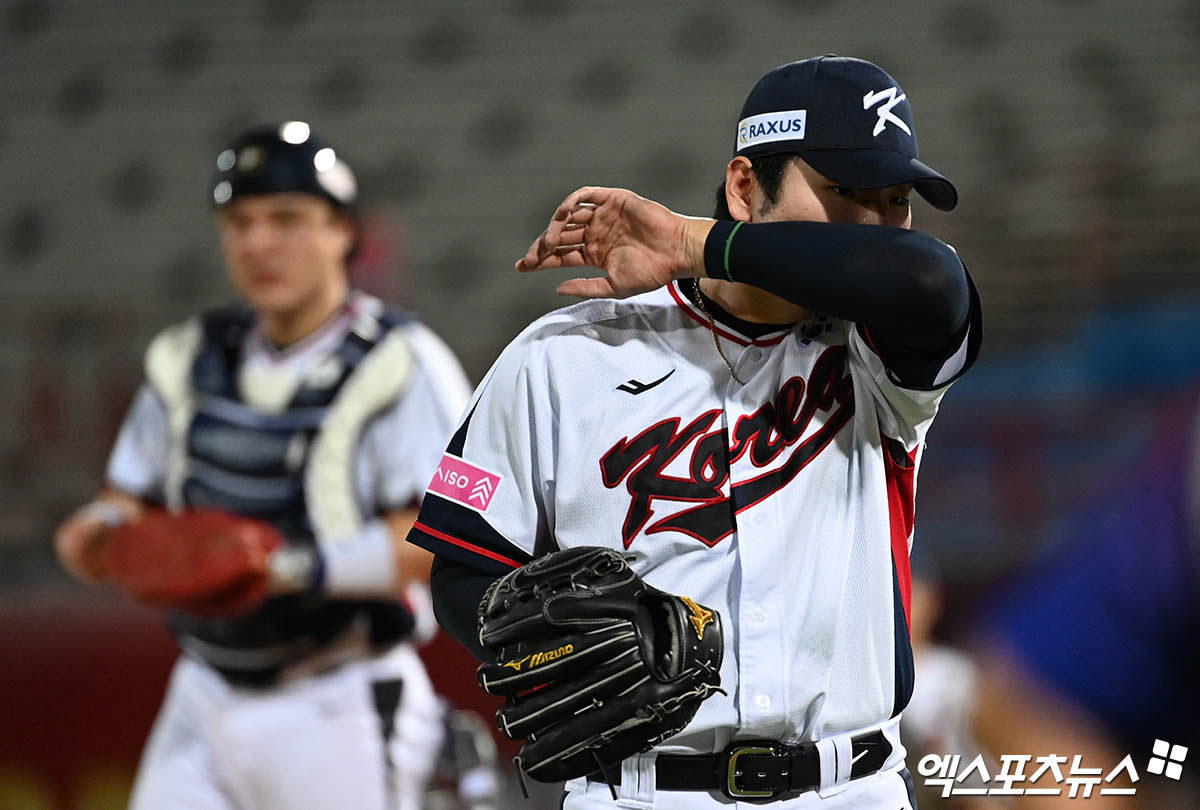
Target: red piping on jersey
{"x": 871, "y": 341}
{"x": 686, "y": 306}
{"x": 901, "y": 513}
{"x": 464, "y": 544}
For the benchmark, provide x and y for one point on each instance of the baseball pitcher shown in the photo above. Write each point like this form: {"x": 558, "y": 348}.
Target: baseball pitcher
{"x": 675, "y": 521}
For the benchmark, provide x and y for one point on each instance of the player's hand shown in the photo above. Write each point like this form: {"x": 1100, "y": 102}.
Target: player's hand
{"x": 80, "y": 539}
{"x": 639, "y": 244}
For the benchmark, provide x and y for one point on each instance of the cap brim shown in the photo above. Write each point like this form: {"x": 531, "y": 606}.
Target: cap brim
{"x": 879, "y": 168}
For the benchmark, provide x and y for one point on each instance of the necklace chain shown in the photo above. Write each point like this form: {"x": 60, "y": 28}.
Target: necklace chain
{"x": 712, "y": 328}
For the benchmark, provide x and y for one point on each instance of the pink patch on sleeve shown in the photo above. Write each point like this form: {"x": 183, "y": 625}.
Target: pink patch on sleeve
{"x": 464, "y": 483}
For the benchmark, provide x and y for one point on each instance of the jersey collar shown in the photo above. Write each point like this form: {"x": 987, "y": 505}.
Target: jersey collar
{"x": 324, "y": 338}
{"x": 727, "y": 326}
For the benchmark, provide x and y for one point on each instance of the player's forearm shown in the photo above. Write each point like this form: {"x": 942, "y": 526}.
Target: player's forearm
{"x": 412, "y": 562}
{"x": 907, "y": 287}
{"x": 457, "y": 591}
{"x": 374, "y": 562}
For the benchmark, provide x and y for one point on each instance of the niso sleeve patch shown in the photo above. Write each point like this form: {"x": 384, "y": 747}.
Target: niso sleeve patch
{"x": 464, "y": 483}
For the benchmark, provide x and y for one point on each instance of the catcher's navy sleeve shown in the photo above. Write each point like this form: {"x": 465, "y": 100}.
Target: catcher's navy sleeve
{"x": 909, "y": 293}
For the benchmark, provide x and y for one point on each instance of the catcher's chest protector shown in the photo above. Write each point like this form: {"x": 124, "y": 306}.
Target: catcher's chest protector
{"x": 244, "y": 459}
{"x": 292, "y": 467}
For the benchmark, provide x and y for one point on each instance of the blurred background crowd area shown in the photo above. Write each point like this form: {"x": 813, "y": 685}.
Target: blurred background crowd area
{"x": 1069, "y": 126}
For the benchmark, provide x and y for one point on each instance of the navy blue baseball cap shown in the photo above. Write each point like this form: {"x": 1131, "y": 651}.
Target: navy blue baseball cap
{"x": 847, "y": 118}
{"x": 279, "y": 158}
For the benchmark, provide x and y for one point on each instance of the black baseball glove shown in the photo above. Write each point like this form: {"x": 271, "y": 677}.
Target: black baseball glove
{"x": 597, "y": 665}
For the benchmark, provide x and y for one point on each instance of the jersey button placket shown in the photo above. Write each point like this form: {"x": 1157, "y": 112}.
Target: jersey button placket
{"x": 748, "y": 361}
{"x": 758, "y": 550}
{"x": 762, "y": 551}
{"x": 762, "y": 626}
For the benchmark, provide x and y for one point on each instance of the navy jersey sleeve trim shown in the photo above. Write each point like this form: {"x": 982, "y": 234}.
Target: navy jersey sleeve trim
{"x": 459, "y": 439}
{"x": 456, "y": 548}
{"x": 905, "y": 669}
{"x": 462, "y": 534}
{"x": 459, "y": 533}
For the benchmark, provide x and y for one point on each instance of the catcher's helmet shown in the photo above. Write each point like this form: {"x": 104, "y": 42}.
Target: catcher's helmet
{"x": 284, "y": 157}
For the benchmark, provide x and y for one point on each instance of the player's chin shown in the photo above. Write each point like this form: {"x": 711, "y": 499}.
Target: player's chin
{"x": 271, "y": 294}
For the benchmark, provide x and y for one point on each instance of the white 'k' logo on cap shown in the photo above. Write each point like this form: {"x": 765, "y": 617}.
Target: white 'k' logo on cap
{"x": 885, "y": 112}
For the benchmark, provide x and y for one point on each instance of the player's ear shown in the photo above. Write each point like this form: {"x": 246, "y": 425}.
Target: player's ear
{"x": 349, "y": 233}
{"x": 740, "y": 184}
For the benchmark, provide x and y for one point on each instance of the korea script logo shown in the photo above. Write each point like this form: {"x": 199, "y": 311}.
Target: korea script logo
{"x": 775, "y": 427}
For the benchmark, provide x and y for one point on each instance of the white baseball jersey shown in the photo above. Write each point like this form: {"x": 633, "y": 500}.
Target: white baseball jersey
{"x": 785, "y": 503}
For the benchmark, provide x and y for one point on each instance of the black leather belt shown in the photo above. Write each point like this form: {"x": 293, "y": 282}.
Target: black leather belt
{"x": 759, "y": 770}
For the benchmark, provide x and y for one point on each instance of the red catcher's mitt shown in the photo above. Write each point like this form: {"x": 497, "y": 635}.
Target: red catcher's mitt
{"x": 203, "y": 561}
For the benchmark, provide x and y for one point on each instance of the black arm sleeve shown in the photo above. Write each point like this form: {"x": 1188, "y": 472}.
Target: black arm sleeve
{"x": 910, "y": 290}
{"x": 457, "y": 590}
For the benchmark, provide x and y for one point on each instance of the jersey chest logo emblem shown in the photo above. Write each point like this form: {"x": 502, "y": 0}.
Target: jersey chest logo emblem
{"x": 763, "y": 436}
{"x": 635, "y": 387}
